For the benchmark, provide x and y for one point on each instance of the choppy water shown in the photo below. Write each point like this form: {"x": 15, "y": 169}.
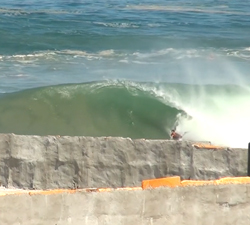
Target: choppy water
{"x": 126, "y": 68}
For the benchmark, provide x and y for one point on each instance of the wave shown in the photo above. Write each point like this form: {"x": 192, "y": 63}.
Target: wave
{"x": 217, "y": 113}
{"x": 118, "y": 25}
{"x": 220, "y": 10}
{"x": 160, "y": 55}
{"x": 90, "y": 109}
{"x": 23, "y": 11}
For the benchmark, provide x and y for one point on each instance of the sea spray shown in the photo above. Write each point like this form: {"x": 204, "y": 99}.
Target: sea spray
{"x": 220, "y": 114}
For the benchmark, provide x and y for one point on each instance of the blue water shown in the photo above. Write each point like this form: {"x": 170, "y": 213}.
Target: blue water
{"x": 127, "y": 68}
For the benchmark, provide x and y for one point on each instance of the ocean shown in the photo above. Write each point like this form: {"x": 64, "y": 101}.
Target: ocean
{"x": 126, "y": 68}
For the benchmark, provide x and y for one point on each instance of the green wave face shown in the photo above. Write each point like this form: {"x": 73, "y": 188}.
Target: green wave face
{"x": 89, "y": 109}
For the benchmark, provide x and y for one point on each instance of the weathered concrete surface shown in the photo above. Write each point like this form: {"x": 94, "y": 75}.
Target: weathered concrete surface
{"x": 206, "y": 205}
{"x": 47, "y": 162}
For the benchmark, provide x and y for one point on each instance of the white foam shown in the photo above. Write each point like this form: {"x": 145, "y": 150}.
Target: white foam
{"x": 54, "y": 55}
{"x": 221, "y": 119}
{"x": 118, "y": 25}
{"x": 150, "y": 56}
{"x": 109, "y": 52}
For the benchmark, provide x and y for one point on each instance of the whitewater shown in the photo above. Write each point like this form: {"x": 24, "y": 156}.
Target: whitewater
{"x": 129, "y": 68}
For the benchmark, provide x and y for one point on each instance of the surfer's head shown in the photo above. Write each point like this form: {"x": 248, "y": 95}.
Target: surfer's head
{"x": 172, "y": 133}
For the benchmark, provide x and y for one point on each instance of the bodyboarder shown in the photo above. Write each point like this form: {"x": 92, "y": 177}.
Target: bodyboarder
{"x": 175, "y": 136}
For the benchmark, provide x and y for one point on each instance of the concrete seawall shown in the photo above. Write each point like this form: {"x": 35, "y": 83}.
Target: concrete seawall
{"x": 192, "y": 205}
{"x": 78, "y": 180}
{"x": 48, "y": 162}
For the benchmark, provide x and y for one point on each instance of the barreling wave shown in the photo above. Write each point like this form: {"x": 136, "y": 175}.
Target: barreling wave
{"x": 216, "y": 113}
{"x": 89, "y": 109}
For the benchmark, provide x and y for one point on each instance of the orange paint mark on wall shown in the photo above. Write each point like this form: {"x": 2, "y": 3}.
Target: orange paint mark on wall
{"x": 207, "y": 146}
{"x": 153, "y": 183}
{"x": 175, "y": 181}
{"x": 196, "y": 182}
{"x": 129, "y": 188}
{"x": 51, "y": 192}
{"x": 105, "y": 189}
{"x": 161, "y": 182}
{"x": 233, "y": 180}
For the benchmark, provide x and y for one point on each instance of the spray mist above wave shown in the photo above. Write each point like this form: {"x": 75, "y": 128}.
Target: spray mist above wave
{"x": 219, "y": 113}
